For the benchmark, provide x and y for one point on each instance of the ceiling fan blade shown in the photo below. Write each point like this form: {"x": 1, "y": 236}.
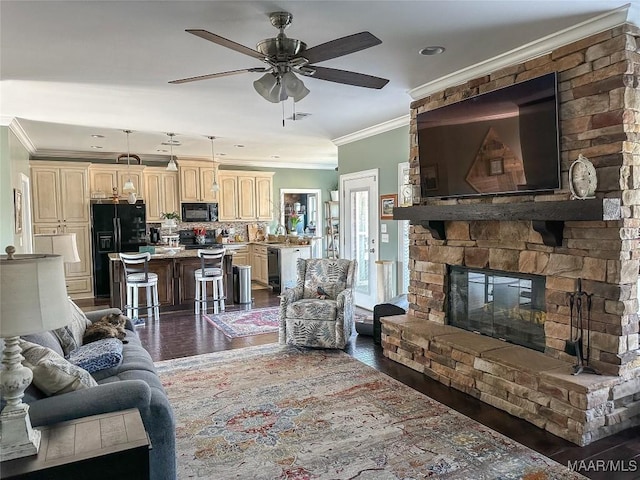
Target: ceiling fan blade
{"x": 221, "y": 74}
{"x": 225, "y": 42}
{"x": 340, "y": 46}
{"x": 344, "y": 76}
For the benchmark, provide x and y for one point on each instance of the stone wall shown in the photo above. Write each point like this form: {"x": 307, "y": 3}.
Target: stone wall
{"x": 599, "y": 109}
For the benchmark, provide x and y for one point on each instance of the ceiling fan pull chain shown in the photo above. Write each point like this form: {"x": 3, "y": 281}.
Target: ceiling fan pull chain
{"x": 282, "y": 103}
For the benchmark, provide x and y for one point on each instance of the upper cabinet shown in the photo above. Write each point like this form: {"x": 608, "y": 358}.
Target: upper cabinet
{"x": 245, "y": 195}
{"x": 161, "y": 192}
{"x": 103, "y": 178}
{"x": 196, "y": 179}
{"x": 60, "y": 192}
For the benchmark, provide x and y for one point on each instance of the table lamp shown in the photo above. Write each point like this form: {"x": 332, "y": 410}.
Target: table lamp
{"x": 33, "y": 298}
{"x": 58, "y": 244}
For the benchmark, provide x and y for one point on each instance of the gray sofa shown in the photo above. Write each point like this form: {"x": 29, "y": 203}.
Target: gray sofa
{"x": 132, "y": 384}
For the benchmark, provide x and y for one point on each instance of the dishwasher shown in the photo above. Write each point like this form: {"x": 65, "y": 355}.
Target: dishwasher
{"x": 273, "y": 268}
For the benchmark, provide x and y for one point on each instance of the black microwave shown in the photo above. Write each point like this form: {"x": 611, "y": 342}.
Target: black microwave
{"x": 199, "y": 212}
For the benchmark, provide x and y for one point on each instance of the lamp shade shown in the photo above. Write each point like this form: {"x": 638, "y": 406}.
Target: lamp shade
{"x": 58, "y": 244}
{"x": 270, "y": 88}
{"x": 294, "y": 87}
{"x": 33, "y": 294}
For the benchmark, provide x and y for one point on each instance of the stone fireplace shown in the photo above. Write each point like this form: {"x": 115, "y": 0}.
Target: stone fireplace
{"x": 489, "y": 245}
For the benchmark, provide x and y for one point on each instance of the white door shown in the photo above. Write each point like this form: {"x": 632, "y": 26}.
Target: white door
{"x": 359, "y": 209}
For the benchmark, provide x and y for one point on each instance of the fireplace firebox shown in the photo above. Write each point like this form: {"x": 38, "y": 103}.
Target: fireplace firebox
{"x": 504, "y": 305}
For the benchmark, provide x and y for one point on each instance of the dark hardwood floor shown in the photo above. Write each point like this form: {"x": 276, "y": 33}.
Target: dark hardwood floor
{"x": 181, "y": 334}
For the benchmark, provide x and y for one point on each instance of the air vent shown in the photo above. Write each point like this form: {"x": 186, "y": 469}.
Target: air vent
{"x": 299, "y": 116}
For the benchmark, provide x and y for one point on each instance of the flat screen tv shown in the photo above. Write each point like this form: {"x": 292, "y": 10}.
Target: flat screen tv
{"x": 501, "y": 142}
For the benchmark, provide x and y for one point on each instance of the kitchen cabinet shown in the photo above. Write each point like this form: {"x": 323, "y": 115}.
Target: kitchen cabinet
{"x": 196, "y": 179}
{"x": 240, "y": 254}
{"x": 60, "y": 204}
{"x": 161, "y": 192}
{"x": 103, "y": 178}
{"x": 60, "y": 192}
{"x": 245, "y": 195}
{"x": 259, "y": 267}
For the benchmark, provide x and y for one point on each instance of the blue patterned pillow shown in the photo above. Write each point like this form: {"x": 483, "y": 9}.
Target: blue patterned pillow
{"x": 98, "y": 355}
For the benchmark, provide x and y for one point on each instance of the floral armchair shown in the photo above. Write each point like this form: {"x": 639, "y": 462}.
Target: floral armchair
{"x": 319, "y": 310}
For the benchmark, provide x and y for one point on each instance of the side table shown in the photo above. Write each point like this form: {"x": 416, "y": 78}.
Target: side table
{"x": 112, "y": 445}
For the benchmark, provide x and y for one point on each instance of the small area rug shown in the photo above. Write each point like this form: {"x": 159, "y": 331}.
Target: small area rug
{"x": 246, "y": 322}
{"x": 277, "y": 412}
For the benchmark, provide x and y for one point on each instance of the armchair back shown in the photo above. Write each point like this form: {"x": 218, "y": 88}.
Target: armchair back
{"x": 324, "y": 277}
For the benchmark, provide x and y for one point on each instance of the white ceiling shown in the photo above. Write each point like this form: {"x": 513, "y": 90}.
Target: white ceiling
{"x": 70, "y": 69}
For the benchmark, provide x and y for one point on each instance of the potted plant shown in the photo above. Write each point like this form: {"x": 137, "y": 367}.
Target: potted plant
{"x": 334, "y": 192}
{"x": 170, "y": 219}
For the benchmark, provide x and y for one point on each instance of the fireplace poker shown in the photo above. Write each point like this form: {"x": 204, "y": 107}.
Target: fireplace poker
{"x": 575, "y": 344}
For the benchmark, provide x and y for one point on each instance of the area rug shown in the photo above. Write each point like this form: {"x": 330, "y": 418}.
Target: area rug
{"x": 276, "y": 412}
{"x": 246, "y": 322}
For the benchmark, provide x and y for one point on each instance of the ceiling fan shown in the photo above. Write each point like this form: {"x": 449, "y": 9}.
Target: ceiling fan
{"x": 286, "y": 56}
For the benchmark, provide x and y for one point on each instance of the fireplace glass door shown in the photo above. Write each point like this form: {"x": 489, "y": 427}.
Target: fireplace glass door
{"x": 502, "y": 305}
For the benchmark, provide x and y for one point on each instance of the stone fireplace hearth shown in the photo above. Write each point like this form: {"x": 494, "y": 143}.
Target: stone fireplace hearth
{"x": 547, "y": 236}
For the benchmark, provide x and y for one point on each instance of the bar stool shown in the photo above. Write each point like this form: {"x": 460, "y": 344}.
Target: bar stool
{"x": 211, "y": 270}
{"x": 136, "y": 270}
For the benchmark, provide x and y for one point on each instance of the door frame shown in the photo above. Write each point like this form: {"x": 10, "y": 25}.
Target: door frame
{"x": 374, "y": 207}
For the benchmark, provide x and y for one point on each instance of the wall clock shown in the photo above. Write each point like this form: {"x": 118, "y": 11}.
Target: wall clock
{"x": 582, "y": 178}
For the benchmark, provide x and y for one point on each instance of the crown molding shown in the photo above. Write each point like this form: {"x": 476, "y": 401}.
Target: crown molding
{"x": 402, "y": 121}
{"x": 18, "y": 131}
{"x": 542, "y": 46}
{"x": 154, "y": 160}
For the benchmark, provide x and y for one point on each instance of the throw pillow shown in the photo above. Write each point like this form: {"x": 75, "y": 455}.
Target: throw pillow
{"x": 70, "y": 336}
{"x": 52, "y": 373}
{"x": 98, "y": 355}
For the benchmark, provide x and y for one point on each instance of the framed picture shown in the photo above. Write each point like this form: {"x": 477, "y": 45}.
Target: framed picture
{"x": 387, "y": 203}
{"x": 430, "y": 177}
{"x": 17, "y": 210}
{"x": 496, "y": 166}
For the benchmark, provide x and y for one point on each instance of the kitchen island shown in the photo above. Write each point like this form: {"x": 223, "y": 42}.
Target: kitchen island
{"x": 176, "y": 282}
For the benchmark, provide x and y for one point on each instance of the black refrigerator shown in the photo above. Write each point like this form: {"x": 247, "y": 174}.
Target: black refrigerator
{"x": 115, "y": 227}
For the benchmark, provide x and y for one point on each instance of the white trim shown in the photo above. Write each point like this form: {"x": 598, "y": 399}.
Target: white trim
{"x": 27, "y": 237}
{"x": 530, "y": 50}
{"x": 387, "y": 126}
{"x": 19, "y": 132}
{"x": 400, "y": 266}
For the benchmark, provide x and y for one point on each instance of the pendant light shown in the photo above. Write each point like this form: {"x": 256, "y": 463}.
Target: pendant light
{"x": 171, "y": 167}
{"x": 214, "y": 186}
{"x": 128, "y": 186}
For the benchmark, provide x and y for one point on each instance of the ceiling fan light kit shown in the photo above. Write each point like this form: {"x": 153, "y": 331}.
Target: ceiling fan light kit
{"x": 286, "y": 56}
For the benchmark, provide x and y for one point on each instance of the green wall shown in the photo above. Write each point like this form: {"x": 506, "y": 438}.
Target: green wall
{"x": 14, "y": 160}
{"x": 384, "y": 152}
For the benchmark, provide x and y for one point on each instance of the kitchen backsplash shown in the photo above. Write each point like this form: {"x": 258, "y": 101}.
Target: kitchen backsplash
{"x": 239, "y": 229}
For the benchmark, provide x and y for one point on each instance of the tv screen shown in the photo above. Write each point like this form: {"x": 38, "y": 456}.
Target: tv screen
{"x": 500, "y": 142}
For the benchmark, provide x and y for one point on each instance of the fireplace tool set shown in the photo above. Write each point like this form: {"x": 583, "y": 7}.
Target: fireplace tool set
{"x": 575, "y": 345}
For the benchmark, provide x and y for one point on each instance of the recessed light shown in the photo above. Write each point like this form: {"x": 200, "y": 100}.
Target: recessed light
{"x": 96, "y": 146}
{"x": 97, "y": 135}
{"x": 433, "y": 50}
{"x": 221, "y": 154}
{"x": 162, "y": 150}
{"x": 275, "y": 156}
{"x": 175, "y": 143}
{"x": 238, "y": 145}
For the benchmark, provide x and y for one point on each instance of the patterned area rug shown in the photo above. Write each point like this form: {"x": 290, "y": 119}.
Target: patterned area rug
{"x": 272, "y": 412}
{"x": 245, "y": 323}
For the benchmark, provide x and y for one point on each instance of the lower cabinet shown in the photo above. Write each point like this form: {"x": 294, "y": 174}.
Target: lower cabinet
{"x": 162, "y": 268}
{"x": 259, "y": 267}
{"x": 240, "y": 255}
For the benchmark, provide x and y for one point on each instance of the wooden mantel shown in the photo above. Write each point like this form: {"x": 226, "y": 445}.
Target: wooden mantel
{"x": 547, "y": 217}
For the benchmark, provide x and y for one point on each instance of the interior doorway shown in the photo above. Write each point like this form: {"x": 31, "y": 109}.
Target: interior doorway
{"x": 360, "y": 226}
{"x": 303, "y": 204}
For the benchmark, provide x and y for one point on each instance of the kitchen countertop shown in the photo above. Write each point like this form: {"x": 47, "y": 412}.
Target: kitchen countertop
{"x": 114, "y": 257}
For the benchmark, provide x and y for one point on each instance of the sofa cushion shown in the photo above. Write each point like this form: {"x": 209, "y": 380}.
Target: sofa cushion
{"x": 46, "y": 339}
{"x": 52, "y": 373}
{"x": 98, "y": 355}
{"x": 70, "y": 336}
